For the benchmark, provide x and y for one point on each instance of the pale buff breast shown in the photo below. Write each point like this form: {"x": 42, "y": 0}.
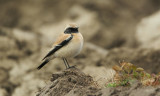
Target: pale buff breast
{"x": 72, "y": 49}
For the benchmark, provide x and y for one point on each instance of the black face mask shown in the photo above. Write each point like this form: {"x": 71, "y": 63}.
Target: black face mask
{"x": 71, "y": 30}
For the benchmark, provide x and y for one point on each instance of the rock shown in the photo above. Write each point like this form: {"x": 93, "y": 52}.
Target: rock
{"x": 7, "y": 64}
{"x": 28, "y": 87}
{"x": 147, "y": 33}
{"x": 115, "y": 30}
{"x": 7, "y": 48}
{"x": 88, "y": 25}
{"x": 7, "y": 88}
{"x": 10, "y": 14}
{"x": 88, "y": 91}
{"x": 3, "y": 92}
{"x": 129, "y": 91}
{"x": 147, "y": 59}
{"x": 21, "y": 70}
{"x": 102, "y": 74}
{"x": 3, "y": 75}
{"x": 71, "y": 81}
{"x": 143, "y": 92}
{"x": 99, "y": 50}
{"x": 26, "y": 41}
{"x": 19, "y": 43}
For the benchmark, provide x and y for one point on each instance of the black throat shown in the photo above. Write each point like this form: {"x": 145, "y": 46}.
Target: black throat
{"x": 71, "y": 30}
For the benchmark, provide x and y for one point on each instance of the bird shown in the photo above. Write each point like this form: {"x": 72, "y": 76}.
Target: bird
{"x": 67, "y": 45}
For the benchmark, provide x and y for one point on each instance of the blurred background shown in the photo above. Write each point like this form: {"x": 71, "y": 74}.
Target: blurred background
{"x": 113, "y": 30}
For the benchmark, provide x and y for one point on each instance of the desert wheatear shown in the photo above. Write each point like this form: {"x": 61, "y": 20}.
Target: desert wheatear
{"x": 68, "y": 44}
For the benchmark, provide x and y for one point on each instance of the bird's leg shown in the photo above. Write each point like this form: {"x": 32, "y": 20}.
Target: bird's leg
{"x": 68, "y": 64}
{"x": 65, "y": 63}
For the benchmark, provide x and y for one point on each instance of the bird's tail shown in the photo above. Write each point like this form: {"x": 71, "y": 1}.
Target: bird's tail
{"x": 44, "y": 63}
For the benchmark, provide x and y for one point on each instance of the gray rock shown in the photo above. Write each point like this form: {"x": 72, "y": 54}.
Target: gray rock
{"x": 148, "y": 33}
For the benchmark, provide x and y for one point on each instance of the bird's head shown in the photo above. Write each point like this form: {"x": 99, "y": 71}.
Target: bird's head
{"x": 71, "y": 28}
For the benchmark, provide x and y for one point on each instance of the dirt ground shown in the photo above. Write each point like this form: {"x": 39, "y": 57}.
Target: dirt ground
{"x": 79, "y": 84}
{"x": 113, "y": 31}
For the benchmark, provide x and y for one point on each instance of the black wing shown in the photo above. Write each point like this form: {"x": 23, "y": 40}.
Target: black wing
{"x": 58, "y": 46}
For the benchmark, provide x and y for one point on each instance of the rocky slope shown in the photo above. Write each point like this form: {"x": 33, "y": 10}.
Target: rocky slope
{"x": 73, "y": 82}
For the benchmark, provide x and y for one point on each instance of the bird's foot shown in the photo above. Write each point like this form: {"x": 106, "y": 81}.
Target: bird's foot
{"x": 71, "y": 67}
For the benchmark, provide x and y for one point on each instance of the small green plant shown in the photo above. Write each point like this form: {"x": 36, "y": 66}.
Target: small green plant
{"x": 127, "y": 73}
{"x": 112, "y": 85}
